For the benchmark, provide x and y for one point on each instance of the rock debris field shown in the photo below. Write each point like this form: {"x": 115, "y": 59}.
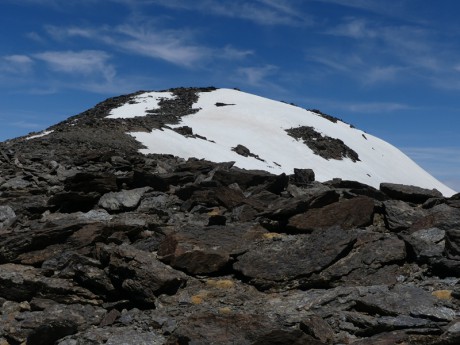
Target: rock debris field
{"x": 100, "y": 244}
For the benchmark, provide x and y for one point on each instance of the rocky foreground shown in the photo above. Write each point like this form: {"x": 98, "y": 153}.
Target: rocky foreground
{"x": 108, "y": 246}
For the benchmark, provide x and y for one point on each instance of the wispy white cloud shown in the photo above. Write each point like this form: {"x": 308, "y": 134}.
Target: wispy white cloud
{"x": 355, "y": 106}
{"x": 87, "y": 62}
{"x": 16, "y": 64}
{"x": 26, "y": 124}
{"x": 262, "y": 12}
{"x": 231, "y": 53}
{"x": 396, "y": 9}
{"x": 376, "y": 53}
{"x": 256, "y": 76}
{"x": 168, "y": 45}
{"x": 375, "y": 107}
{"x": 171, "y": 45}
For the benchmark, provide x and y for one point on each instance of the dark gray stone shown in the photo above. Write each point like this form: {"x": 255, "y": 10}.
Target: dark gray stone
{"x": 123, "y": 200}
{"x": 399, "y": 215}
{"x": 7, "y": 216}
{"x": 413, "y": 194}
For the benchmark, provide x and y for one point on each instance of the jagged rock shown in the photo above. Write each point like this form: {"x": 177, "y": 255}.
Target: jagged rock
{"x": 280, "y": 261}
{"x": 91, "y": 182}
{"x": 372, "y": 254}
{"x": 114, "y": 336}
{"x": 302, "y": 177}
{"x": 251, "y": 178}
{"x": 7, "y": 216}
{"x": 315, "y": 326}
{"x": 427, "y": 244}
{"x": 399, "y": 215}
{"x": 206, "y": 250}
{"x": 123, "y": 200}
{"x": 209, "y": 328}
{"x": 46, "y": 326}
{"x": 71, "y": 202}
{"x": 446, "y": 218}
{"x": 322, "y": 145}
{"x": 413, "y": 194}
{"x": 19, "y": 283}
{"x": 140, "y": 275}
{"x": 35, "y": 239}
{"x": 284, "y": 208}
{"x": 405, "y": 300}
{"x": 347, "y": 214}
{"x": 16, "y": 183}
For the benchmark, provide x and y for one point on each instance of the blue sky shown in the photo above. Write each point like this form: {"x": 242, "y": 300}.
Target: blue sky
{"x": 391, "y": 68}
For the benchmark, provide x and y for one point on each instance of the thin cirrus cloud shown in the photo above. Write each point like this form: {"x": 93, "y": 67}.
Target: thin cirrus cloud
{"x": 16, "y": 64}
{"x": 173, "y": 46}
{"x": 382, "y": 53}
{"x": 86, "y": 62}
{"x": 261, "y": 12}
{"x": 256, "y": 76}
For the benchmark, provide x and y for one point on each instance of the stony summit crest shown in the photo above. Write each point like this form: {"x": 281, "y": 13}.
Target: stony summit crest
{"x": 104, "y": 240}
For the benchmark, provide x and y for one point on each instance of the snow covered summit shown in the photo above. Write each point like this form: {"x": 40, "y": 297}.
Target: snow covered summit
{"x": 259, "y": 133}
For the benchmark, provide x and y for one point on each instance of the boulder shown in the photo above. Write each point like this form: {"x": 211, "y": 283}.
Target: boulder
{"x": 346, "y": 214}
{"x": 19, "y": 283}
{"x": 302, "y": 177}
{"x": 279, "y": 261}
{"x": 140, "y": 275}
{"x": 7, "y": 216}
{"x": 207, "y": 250}
{"x": 374, "y": 259}
{"x": 413, "y": 194}
{"x": 123, "y": 200}
{"x": 48, "y": 325}
{"x": 399, "y": 215}
{"x": 244, "y": 329}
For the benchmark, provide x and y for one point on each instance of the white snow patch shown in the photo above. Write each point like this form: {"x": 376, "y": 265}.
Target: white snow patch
{"x": 139, "y": 105}
{"x": 42, "y": 134}
{"x": 259, "y": 124}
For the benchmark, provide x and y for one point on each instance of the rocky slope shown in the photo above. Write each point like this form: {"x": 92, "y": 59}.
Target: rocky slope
{"x": 103, "y": 245}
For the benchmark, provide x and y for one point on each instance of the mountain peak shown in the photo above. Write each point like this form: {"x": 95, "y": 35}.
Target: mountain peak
{"x": 223, "y": 125}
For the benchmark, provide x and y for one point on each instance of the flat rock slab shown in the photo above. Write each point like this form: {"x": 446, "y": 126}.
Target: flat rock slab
{"x": 405, "y": 300}
{"x": 371, "y": 259}
{"x": 413, "y": 194}
{"x": 242, "y": 329}
{"x": 279, "y": 261}
{"x": 23, "y": 323}
{"x": 115, "y": 336}
{"x": 346, "y": 214}
{"x": 207, "y": 250}
{"x": 20, "y": 283}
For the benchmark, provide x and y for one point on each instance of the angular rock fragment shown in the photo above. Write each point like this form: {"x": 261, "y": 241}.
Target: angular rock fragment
{"x": 123, "y": 200}
{"x": 141, "y": 275}
{"x": 206, "y": 250}
{"x": 7, "y": 216}
{"x": 346, "y": 214}
{"x": 399, "y": 215}
{"x": 19, "y": 283}
{"x": 277, "y": 263}
{"x": 413, "y": 194}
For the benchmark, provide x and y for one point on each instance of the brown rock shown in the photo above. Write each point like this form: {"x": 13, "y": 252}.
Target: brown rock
{"x": 206, "y": 250}
{"x": 346, "y": 214}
